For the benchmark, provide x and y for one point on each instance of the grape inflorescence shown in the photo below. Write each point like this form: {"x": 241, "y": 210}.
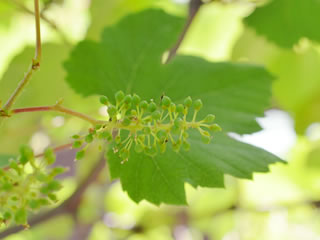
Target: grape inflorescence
{"x": 27, "y": 185}
{"x": 148, "y": 127}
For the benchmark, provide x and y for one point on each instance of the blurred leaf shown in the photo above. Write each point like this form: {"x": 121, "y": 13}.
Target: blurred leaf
{"x": 4, "y": 160}
{"x": 298, "y": 87}
{"x": 297, "y": 84}
{"x": 45, "y": 88}
{"x": 161, "y": 179}
{"x": 285, "y": 22}
{"x": 49, "y": 77}
{"x": 104, "y": 13}
{"x": 313, "y": 156}
{"x": 7, "y": 11}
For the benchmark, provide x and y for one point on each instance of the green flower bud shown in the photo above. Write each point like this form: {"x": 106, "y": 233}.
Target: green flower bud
{"x": 89, "y": 138}
{"x": 185, "y": 135}
{"x": 127, "y": 106}
{"x": 178, "y": 122}
{"x": 43, "y": 202}
{"x": 49, "y": 156}
{"x": 136, "y": 100}
{"x": 138, "y": 148}
{"x": 143, "y": 105}
{"x": 112, "y": 111}
{"x": 124, "y": 153}
{"x": 162, "y": 136}
{"x": 126, "y": 121}
{"x": 20, "y": 217}
{"x": 205, "y": 133}
{"x": 141, "y": 138}
{"x": 197, "y": 104}
{"x": 172, "y": 107}
{"x": 54, "y": 186}
{"x": 152, "y": 107}
{"x": 176, "y": 146}
{"x": 77, "y": 144}
{"x": 34, "y": 204}
{"x": 52, "y": 197}
{"x": 117, "y": 139}
{"x": 106, "y": 135}
{"x": 188, "y": 102}
{"x": 215, "y": 128}
{"x": 127, "y": 100}
{"x": 57, "y": 171}
{"x": 175, "y": 129}
{"x": 151, "y": 151}
{"x": 134, "y": 112}
{"x": 119, "y": 96}
{"x": 209, "y": 118}
{"x": 26, "y": 154}
{"x": 163, "y": 147}
{"x": 205, "y": 139}
{"x": 80, "y": 154}
{"x": 97, "y": 127}
{"x": 147, "y": 130}
{"x": 186, "y": 145}
{"x": 7, "y": 216}
{"x": 76, "y": 136}
{"x": 180, "y": 108}
{"x": 14, "y": 165}
{"x": 166, "y": 101}
{"x": 104, "y": 100}
{"x": 156, "y": 115}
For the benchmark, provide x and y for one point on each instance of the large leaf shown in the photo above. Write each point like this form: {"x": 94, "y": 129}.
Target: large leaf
{"x": 129, "y": 58}
{"x": 285, "y": 22}
{"x": 298, "y": 76}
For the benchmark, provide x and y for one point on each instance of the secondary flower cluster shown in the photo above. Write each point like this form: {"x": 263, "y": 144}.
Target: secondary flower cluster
{"x": 26, "y": 185}
{"x": 148, "y": 127}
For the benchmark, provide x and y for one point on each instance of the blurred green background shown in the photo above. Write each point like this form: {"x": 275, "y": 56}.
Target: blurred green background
{"x": 283, "y": 204}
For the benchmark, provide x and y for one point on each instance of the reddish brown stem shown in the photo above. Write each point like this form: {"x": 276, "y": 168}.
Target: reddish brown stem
{"x": 57, "y": 108}
{"x": 194, "y": 7}
{"x": 31, "y": 109}
{"x": 56, "y": 149}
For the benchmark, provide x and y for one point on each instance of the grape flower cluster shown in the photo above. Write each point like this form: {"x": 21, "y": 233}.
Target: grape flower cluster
{"x": 148, "y": 127}
{"x": 27, "y": 185}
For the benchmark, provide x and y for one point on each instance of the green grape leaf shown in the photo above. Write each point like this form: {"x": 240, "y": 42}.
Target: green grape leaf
{"x": 4, "y": 160}
{"x": 129, "y": 58}
{"x": 161, "y": 178}
{"x": 286, "y": 22}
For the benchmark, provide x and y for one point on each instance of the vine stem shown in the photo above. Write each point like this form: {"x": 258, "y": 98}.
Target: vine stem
{"x": 35, "y": 65}
{"x": 58, "y": 108}
{"x": 194, "y": 7}
{"x": 56, "y": 149}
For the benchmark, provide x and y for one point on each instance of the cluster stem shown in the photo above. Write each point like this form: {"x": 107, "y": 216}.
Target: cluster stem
{"x": 58, "y": 108}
